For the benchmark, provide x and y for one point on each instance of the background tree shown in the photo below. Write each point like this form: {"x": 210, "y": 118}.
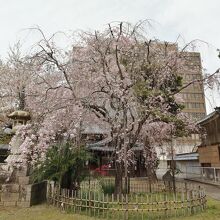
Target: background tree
{"x": 16, "y": 80}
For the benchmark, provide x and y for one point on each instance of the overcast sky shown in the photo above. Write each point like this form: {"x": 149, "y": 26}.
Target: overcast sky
{"x": 192, "y": 19}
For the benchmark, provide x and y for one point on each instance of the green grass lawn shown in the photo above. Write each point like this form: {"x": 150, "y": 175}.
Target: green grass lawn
{"x": 44, "y": 212}
{"x": 39, "y": 212}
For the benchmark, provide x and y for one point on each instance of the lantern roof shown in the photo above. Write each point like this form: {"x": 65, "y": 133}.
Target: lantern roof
{"x": 20, "y": 114}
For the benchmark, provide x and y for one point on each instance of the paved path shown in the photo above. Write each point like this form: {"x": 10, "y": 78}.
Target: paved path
{"x": 211, "y": 191}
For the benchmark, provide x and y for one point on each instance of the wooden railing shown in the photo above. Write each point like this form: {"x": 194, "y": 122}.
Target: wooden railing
{"x": 158, "y": 204}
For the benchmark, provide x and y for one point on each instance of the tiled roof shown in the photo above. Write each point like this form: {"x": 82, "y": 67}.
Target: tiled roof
{"x": 209, "y": 116}
{"x": 103, "y": 146}
{"x": 187, "y": 156}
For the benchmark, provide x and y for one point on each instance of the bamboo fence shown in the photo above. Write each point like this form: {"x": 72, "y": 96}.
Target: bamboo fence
{"x": 157, "y": 204}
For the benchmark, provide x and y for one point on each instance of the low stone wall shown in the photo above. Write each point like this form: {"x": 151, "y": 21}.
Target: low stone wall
{"x": 22, "y": 195}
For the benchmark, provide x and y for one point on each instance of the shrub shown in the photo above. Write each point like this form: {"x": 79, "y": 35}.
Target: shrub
{"x": 65, "y": 164}
{"x": 108, "y": 186}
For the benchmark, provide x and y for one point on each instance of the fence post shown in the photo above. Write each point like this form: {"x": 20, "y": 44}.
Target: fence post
{"x": 89, "y": 203}
{"x": 126, "y": 207}
{"x": 75, "y": 201}
{"x": 186, "y": 189}
{"x": 165, "y": 204}
{"x": 112, "y": 205}
{"x": 103, "y": 205}
{"x": 203, "y": 199}
{"x": 191, "y": 202}
{"x": 202, "y": 173}
{"x": 107, "y": 206}
{"x": 199, "y": 199}
{"x": 214, "y": 174}
{"x": 80, "y": 203}
{"x": 94, "y": 204}
{"x": 86, "y": 202}
{"x": 68, "y": 199}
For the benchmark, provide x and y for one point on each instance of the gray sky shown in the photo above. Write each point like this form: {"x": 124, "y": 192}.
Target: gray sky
{"x": 192, "y": 19}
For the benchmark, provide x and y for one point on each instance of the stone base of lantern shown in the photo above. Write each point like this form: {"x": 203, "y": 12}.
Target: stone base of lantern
{"x": 16, "y": 189}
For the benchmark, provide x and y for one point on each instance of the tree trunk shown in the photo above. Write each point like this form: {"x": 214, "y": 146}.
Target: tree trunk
{"x": 150, "y": 166}
{"x": 118, "y": 179}
{"x": 151, "y": 176}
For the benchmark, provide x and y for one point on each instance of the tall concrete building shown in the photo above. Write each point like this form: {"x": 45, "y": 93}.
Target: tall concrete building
{"x": 194, "y": 101}
{"x": 193, "y": 95}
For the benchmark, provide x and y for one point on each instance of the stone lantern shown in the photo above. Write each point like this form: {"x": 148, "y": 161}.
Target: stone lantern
{"x": 16, "y": 173}
{"x": 19, "y": 117}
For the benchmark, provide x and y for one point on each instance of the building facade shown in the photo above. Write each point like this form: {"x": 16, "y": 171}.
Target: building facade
{"x": 193, "y": 99}
{"x": 209, "y": 150}
{"x": 193, "y": 95}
